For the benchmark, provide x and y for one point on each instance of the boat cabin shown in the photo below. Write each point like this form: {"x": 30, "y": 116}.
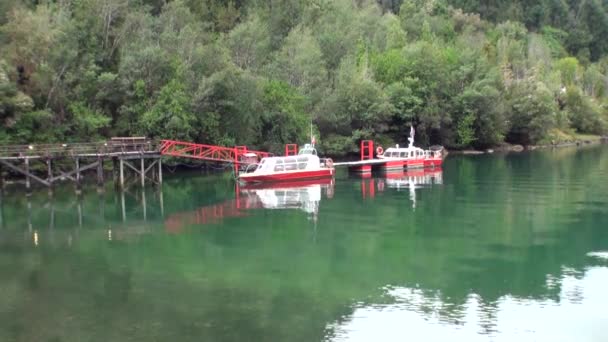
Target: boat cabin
{"x": 305, "y": 160}
{"x": 279, "y": 164}
{"x": 410, "y": 153}
{"x": 249, "y": 158}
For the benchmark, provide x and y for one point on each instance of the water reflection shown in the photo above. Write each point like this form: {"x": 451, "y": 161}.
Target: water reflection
{"x": 410, "y": 180}
{"x": 426, "y": 315}
{"x": 304, "y": 195}
{"x": 500, "y": 250}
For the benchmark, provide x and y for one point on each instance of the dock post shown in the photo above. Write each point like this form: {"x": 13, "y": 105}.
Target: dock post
{"x": 29, "y": 214}
{"x": 144, "y": 204}
{"x": 77, "y": 173}
{"x": 161, "y": 202}
{"x": 121, "y": 173}
{"x": 122, "y": 204}
{"x": 27, "y": 173}
{"x": 100, "y": 171}
{"x": 79, "y": 208}
{"x": 115, "y": 170}
{"x": 160, "y": 170}
{"x": 142, "y": 175}
{"x": 52, "y": 215}
{"x": 1, "y": 213}
{"x": 49, "y": 171}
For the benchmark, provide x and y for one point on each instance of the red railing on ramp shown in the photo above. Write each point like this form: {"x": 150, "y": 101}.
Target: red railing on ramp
{"x": 207, "y": 152}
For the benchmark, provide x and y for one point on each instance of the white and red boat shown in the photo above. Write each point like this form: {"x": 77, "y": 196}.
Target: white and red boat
{"x": 410, "y": 156}
{"x": 303, "y": 166}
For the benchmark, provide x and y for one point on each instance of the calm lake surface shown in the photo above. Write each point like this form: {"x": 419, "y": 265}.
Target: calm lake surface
{"x": 491, "y": 248}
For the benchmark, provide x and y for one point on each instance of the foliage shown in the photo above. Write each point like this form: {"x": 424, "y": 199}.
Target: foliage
{"x": 533, "y": 112}
{"x": 261, "y": 73}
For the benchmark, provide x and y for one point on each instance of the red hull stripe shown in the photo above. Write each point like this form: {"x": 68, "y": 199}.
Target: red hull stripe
{"x": 288, "y": 176}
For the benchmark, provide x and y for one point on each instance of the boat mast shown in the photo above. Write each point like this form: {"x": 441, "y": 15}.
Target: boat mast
{"x": 411, "y": 138}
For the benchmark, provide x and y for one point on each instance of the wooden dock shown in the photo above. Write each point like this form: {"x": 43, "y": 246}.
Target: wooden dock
{"x": 72, "y": 161}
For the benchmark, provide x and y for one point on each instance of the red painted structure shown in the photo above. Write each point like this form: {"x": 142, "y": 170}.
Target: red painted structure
{"x": 367, "y": 163}
{"x": 291, "y": 150}
{"x": 207, "y": 152}
{"x": 367, "y": 153}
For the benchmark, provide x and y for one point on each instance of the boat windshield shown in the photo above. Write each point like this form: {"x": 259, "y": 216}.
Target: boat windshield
{"x": 308, "y": 149}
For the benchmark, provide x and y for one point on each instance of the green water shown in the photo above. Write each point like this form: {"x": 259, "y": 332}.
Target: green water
{"x": 492, "y": 248}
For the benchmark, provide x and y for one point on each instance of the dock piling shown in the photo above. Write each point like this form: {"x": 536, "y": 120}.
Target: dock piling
{"x": 100, "y": 171}
{"x": 27, "y": 173}
{"x": 142, "y": 174}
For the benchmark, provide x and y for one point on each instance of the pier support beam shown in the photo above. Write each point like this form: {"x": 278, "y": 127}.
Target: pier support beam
{"x": 77, "y": 173}
{"x": 24, "y": 171}
{"x": 143, "y": 204}
{"x": 141, "y": 171}
{"x": 142, "y": 174}
{"x": 160, "y": 171}
{"x": 121, "y": 174}
{"x": 49, "y": 171}
{"x": 100, "y": 171}
{"x": 27, "y": 173}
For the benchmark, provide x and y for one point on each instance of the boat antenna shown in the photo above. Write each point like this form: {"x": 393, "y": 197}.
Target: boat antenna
{"x": 312, "y": 137}
{"x": 411, "y": 138}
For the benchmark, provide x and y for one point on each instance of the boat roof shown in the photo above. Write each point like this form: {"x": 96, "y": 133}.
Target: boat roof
{"x": 397, "y": 148}
{"x": 287, "y": 157}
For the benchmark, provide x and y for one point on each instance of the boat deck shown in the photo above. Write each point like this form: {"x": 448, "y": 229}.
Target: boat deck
{"x": 367, "y": 162}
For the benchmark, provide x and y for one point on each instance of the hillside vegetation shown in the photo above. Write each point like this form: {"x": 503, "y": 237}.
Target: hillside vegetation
{"x": 465, "y": 73}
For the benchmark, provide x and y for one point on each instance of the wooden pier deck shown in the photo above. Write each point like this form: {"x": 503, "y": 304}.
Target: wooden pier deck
{"x": 70, "y": 161}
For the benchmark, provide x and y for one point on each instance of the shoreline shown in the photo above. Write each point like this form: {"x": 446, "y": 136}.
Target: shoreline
{"x": 507, "y": 148}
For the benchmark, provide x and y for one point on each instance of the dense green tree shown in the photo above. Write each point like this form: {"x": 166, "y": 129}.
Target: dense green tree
{"x": 283, "y": 119}
{"x": 584, "y": 114}
{"x": 464, "y": 73}
{"x": 533, "y": 111}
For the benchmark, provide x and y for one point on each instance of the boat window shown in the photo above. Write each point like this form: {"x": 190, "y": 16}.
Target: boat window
{"x": 403, "y": 154}
{"x": 307, "y": 150}
{"x": 388, "y": 154}
{"x": 412, "y": 154}
{"x": 262, "y": 164}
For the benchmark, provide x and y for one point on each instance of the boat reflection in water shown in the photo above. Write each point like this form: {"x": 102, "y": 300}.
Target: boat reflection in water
{"x": 409, "y": 180}
{"x": 303, "y": 195}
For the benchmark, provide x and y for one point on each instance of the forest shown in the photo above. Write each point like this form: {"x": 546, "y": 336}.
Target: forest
{"x": 464, "y": 73}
